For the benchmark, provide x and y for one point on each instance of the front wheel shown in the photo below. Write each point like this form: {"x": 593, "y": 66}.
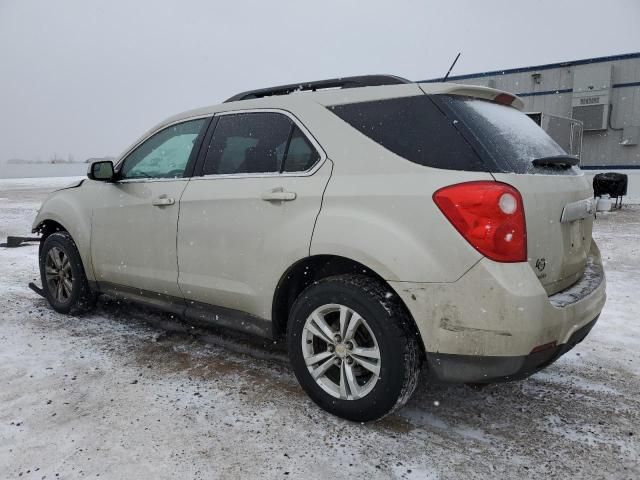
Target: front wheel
{"x": 353, "y": 347}
{"x": 63, "y": 279}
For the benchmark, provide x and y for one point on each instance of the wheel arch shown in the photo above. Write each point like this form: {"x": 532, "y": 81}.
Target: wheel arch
{"x": 311, "y": 269}
{"x": 48, "y": 226}
{"x": 45, "y": 228}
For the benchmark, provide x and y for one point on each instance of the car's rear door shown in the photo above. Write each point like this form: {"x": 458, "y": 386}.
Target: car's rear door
{"x": 133, "y": 241}
{"x": 250, "y": 215}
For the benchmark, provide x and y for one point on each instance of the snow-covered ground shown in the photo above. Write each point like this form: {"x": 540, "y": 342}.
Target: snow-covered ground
{"x": 128, "y": 393}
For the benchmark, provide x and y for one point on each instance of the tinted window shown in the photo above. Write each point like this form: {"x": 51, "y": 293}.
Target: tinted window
{"x": 508, "y": 136}
{"x": 301, "y": 155}
{"x": 414, "y": 128}
{"x": 164, "y": 155}
{"x": 248, "y": 143}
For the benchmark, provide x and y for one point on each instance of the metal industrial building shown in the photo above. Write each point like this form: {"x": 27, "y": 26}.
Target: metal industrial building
{"x": 603, "y": 93}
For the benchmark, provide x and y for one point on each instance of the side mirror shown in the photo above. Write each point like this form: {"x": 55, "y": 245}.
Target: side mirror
{"x": 101, "y": 171}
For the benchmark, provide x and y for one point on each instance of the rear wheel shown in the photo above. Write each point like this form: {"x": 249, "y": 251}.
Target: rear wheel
{"x": 353, "y": 347}
{"x": 63, "y": 279}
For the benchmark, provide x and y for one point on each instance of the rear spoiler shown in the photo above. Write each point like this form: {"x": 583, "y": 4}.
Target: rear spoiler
{"x": 484, "y": 93}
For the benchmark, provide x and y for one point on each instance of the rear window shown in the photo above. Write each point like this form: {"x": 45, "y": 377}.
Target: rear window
{"x": 413, "y": 128}
{"x": 509, "y": 137}
{"x": 454, "y": 133}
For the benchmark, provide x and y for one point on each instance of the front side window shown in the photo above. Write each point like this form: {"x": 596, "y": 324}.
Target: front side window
{"x": 258, "y": 142}
{"x": 165, "y": 154}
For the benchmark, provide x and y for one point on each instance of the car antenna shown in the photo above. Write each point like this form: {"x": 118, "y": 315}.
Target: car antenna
{"x": 451, "y": 67}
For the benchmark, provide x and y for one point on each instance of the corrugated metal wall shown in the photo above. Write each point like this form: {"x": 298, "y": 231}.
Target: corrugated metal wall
{"x": 550, "y": 92}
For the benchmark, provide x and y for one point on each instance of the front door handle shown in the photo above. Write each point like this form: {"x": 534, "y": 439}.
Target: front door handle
{"x": 163, "y": 201}
{"x": 278, "y": 195}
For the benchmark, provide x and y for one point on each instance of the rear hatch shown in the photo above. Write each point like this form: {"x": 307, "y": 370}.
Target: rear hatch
{"x": 556, "y": 196}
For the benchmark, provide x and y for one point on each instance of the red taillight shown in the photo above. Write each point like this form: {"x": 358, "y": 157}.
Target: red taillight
{"x": 489, "y": 215}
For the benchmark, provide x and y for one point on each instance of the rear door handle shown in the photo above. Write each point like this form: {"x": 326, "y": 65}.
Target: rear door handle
{"x": 163, "y": 201}
{"x": 278, "y": 195}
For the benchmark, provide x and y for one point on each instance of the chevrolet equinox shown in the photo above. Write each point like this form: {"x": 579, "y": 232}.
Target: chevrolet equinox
{"x": 381, "y": 226}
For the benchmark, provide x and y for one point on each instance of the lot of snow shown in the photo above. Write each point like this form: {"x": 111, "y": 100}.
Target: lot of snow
{"x": 128, "y": 393}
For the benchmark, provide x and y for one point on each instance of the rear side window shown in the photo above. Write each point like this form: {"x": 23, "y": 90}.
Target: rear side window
{"x": 258, "y": 142}
{"x": 300, "y": 155}
{"x": 248, "y": 143}
{"x": 413, "y": 128}
{"x": 509, "y": 137}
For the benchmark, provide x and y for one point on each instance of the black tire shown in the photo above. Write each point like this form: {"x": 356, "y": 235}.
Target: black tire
{"x": 394, "y": 331}
{"x": 79, "y": 298}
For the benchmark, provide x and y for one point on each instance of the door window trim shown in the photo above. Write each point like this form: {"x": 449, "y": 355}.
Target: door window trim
{"x": 192, "y": 163}
{"x": 197, "y": 174}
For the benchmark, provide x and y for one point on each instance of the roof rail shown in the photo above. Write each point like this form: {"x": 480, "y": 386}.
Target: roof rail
{"x": 343, "y": 82}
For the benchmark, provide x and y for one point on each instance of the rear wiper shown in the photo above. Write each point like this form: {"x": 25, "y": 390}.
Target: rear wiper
{"x": 559, "y": 161}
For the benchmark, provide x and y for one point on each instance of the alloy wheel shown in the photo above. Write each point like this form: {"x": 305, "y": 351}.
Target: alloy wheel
{"x": 58, "y": 274}
{"x": 341, "y": 352}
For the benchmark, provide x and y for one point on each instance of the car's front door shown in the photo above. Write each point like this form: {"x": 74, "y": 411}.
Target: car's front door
{"x": 251, "y": 214}
{"x": 133, "y": 236}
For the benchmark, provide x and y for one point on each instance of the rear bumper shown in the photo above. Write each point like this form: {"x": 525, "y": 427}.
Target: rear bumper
{"x": 486, "y": 325}
{"x": 478, "y": 369}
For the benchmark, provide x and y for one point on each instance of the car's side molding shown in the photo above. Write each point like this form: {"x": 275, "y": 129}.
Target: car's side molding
{"x": 212, "y": 315}
{"x": 197, "y": 313}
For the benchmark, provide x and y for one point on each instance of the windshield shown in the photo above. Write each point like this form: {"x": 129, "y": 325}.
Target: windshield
{"x": 509, "y": 136}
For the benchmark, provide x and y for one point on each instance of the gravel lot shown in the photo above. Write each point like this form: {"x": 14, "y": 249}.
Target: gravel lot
{"x": 129, "y": 393}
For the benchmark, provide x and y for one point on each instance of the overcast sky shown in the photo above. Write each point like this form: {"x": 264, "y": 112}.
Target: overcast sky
{"x": 86, "y": 77}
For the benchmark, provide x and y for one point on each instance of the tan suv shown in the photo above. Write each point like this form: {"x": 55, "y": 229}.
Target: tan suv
{"x": 380, "y": 225}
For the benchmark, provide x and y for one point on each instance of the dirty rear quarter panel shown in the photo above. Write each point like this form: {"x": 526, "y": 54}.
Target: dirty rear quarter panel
{"x": 378, "y": 210}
